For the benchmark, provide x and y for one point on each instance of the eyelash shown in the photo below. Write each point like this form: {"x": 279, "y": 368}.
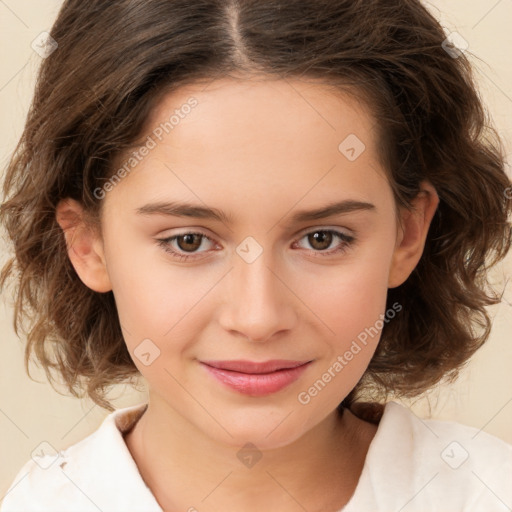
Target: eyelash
{"x": 347, "y": 240}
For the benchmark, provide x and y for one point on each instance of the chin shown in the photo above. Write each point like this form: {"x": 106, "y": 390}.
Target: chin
{"x": 258, "y": 429}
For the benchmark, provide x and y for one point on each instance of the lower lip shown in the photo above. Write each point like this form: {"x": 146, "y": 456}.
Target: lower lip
{"x": 257, "y": 384}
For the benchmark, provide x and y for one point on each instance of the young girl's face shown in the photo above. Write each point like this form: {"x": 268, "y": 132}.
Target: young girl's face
{"x": 264, "y": 280}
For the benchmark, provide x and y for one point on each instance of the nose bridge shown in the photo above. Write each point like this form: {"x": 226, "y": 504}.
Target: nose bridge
{"x": 258, "y": 304}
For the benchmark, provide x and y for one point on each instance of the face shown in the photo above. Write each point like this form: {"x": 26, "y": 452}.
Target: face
{"x": 259, "y": 279}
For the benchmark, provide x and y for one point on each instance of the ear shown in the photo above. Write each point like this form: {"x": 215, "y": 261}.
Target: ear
{"x": 412, "y": 234}
{"x": 85, "y": 246}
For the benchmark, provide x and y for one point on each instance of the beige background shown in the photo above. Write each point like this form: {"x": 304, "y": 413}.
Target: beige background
{"x": 32, "y": 412}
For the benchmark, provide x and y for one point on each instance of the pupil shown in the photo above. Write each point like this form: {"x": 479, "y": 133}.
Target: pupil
{"x": 322, "y": 236}
{"x": 189, "y": 240}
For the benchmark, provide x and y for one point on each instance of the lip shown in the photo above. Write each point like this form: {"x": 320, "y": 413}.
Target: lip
{"x": 254, "y": 367}
{"x": 255, "y": 378}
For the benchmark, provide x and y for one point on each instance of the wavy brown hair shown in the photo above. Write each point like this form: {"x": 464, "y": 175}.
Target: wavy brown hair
{"x": 117, "y": 59}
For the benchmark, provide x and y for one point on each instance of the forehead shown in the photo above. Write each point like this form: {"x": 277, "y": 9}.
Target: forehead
{"x": 285, "y": 109}
{"x": 265, "y": 138}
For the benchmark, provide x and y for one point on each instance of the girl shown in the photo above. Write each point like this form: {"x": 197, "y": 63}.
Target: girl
{"x": 329, "y": 163}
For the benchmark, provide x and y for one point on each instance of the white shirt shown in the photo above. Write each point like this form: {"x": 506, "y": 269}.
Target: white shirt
{"x": 412, "y": 465}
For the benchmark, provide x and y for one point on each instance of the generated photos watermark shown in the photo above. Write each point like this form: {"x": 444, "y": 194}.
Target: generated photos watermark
{"x": 304, "y": 397}
{"x": 151, "y": 143}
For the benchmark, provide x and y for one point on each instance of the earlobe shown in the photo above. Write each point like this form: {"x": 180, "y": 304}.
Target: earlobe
{"x": 412, "y": 235}
{"x": 85, "y": 247}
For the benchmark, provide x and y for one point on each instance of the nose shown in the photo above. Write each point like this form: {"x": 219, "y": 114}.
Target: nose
{"x": 258, "y": 303}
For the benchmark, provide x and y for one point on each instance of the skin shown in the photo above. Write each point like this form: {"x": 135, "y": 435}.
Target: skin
{"x": 260, "y": 150}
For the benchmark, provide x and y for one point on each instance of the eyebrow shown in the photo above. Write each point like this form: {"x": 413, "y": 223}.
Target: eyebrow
{"x": 179, "y": 209}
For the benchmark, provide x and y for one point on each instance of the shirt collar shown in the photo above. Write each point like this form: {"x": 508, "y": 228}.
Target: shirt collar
{"x": 103, "y": 470}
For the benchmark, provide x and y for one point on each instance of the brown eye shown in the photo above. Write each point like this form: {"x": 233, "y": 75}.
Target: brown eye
{"x": 186, "y": 245}
{"x": 320, "y": 240}
{"x": 191, "y": 242}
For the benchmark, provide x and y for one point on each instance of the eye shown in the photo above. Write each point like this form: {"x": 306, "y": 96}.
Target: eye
{"x": 189, "y": 243}
{"x": 321, "y": 240}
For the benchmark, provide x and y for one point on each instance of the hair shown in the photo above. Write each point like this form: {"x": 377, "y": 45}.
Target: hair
{"x": 116, "y": 60}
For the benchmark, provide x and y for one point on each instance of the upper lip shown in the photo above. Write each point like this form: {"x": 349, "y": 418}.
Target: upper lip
{"x": 253, "y": 366}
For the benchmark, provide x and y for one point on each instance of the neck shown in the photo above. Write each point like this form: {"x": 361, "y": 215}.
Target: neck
{"x": 186, "y": 469}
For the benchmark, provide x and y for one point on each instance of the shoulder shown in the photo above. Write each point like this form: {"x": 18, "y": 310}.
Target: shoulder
{"x": 461, "y": 445}
{"x": 97, "y": 473}
{"x": 432, "y": 465}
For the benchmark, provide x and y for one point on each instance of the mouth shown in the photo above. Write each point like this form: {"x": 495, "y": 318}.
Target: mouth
{"x": 255, "y": 378}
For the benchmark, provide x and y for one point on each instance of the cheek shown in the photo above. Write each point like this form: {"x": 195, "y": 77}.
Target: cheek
{"x": 361, "y": 298}
{"x": 353, "y": 294}
{"x": 350, "y": 300}
{"x": 154, "y": 299}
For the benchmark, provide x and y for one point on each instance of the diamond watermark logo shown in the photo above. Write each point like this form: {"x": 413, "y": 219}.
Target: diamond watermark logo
{"x": 455, "y": 45}
{"x": 249, "y": 250}
{"x": 352, "y": 147}
{"x": 146, "y": 352}
{"x": 249, "y": 455}
{"x": 44, "y": 455}
{"x": 455, "y": 455}
{"x": 44, "y": 45}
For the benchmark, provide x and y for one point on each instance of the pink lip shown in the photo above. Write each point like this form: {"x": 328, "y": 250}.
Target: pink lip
{"x": 256, "y": 379}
